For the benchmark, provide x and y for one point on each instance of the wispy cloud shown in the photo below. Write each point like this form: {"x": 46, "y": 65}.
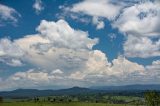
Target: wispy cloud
{"x": 8, "y": 15}
{"x": 38, "y": 6}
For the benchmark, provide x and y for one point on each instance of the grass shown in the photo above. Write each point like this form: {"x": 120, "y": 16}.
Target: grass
{"x": 59, "y": 104}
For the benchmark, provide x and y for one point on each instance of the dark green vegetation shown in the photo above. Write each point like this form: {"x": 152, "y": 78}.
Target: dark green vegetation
{"x": 1, "y": 99}
{"x": 152, "y": 98}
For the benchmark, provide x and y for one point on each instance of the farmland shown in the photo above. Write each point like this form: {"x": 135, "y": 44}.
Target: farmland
{"x": 78, "y": 97}
{"x": 75, "y": 101}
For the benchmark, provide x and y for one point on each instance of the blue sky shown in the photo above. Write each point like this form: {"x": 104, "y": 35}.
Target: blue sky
{"x": 79, "y": 43}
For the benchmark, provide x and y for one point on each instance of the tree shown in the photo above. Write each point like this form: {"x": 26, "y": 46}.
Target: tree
{"x": 54, "y": 99}
{"x": 1, "y": 99}
{"x": 49, "y": 99}
{"x": 69, "y": 100}
{"x": 36, "y": 99}
{"x": 152, "y": 98}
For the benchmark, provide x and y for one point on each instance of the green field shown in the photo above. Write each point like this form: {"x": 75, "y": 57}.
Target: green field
{"x": 59, "y": 104}
{"x": 88, "y": 101}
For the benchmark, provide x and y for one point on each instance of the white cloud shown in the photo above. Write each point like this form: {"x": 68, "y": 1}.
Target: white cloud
{"x": 98, "y": 68}
{"x": 39, "y": 79}
{"x": 56, "y": 43}
{"x": 62, "y": 35}
{"x": 10, "y": 52}
{"x": 131, "y": 18}
{"x": 152, "y": 73}
{"x": 154, "y": 67}
{"x": 121, "y": 72}
{"x": 96, "y": 8}
{"x": 15, "y": 63}
{"x": 11, "y": 62}
{"x": 57, "y": 71}
{"x": 63, "y": 55}
{"x": 8, "y": 14}
{"x": 31, "y": 79}
{"x": 140, "y": 23}
{"x": 141, "y": 47}
{"x": 31, "y": 75}
{"x": 9, "y": 48}
{"x": 134, "y": 19}
{"x": 99, "y": 24}
{"x": 38, "y": 6}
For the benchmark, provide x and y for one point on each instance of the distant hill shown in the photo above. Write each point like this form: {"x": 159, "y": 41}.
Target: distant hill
{"x": 128, "y": 87}
{"x": 34, "y": 92}
{"x": 136, "y": 90}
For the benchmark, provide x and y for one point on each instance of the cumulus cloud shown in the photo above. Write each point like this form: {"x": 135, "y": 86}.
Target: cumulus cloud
{"x": 8, "y": 14}
{"x": 9, "y": 48}
{"x": 62, "y": 35}
{"x": 56, "y": 43}
{"x": 97, "y": 70}
{"x": 65, "y": 56}
{"x": 155, "y": 66}
{"x": 134, "y": 19}
{"x": 38, "y": 6}
{"x": 10, "y": 52}
{"x": 33, "y": 78}
{"x": 109, "y": 73}
{"x": 140, "y": 23}
{"x": 131, "y": 18}
{"x": 152, "y": 73}
{"x": 141, "y": 47}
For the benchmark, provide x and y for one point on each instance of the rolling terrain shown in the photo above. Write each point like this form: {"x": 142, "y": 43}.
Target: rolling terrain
{"x": 129, "y": 90}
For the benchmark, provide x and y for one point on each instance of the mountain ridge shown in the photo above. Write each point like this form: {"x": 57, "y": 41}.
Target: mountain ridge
{"x": 127, "y": 89}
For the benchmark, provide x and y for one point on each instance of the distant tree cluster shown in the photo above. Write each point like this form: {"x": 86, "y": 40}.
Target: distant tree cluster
{"x": 61, "y": 99}
{"x": 36, "y": 99}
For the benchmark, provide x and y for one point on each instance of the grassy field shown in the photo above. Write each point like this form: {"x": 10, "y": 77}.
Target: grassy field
{"x": 43, "y": 101}
{"x": 59, "y": 104}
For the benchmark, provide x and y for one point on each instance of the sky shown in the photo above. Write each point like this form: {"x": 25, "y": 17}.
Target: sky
{"x": 54, "y": 44}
